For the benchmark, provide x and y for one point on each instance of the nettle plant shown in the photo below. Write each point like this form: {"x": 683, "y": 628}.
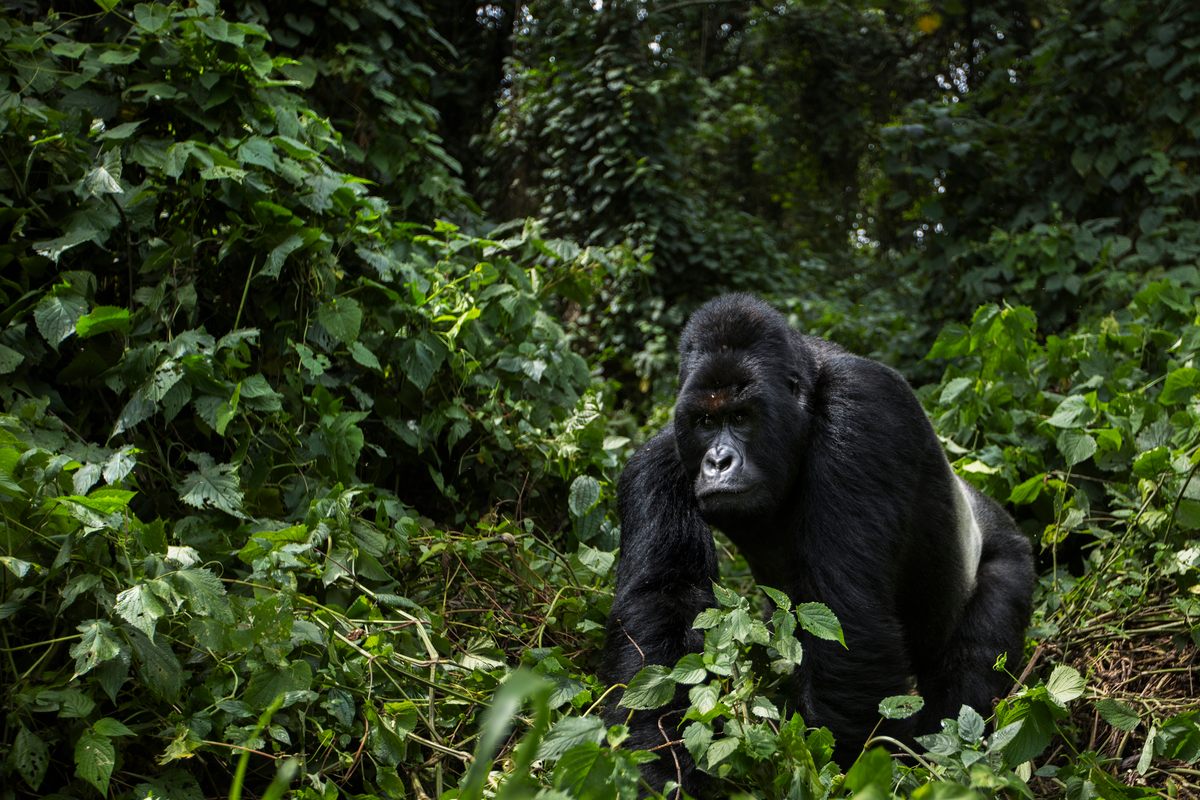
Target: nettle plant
{"x": 735, "y": 731}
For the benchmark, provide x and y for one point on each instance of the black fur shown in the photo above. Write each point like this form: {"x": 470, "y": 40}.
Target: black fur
{"x": 825, "y": 472}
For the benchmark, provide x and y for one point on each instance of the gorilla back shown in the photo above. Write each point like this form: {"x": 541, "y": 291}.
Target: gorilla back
{"x": 823, "y": 469}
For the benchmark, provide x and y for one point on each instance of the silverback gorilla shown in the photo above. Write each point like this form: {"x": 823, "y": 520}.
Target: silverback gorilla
{"x": 823, "y": 469}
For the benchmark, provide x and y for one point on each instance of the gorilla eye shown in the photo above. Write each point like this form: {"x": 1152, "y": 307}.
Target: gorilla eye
{"x": 704, "y": 421}
{"x": 738, "y": 417}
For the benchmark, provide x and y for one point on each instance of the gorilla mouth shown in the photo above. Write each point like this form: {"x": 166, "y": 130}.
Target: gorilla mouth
{"x": 721, "y": 491}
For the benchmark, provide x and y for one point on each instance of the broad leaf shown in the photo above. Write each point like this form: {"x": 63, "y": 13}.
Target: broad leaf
{"x": 652, "y": 687}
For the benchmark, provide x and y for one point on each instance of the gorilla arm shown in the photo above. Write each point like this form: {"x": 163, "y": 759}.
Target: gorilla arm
{"x": 664, "y": 579}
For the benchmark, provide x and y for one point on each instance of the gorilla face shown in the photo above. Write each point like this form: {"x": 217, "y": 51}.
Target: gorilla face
{"x": 736, "y": 435}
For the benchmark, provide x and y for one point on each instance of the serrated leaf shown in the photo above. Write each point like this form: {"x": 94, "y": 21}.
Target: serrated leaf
{"x": 689, "y": 670}
{"x": 138, "y": 409}
{"x": 267, "y": 684}
{"x": 719, "y": 750}
{"x": 819, "y": 620}
{"x": 954, "y": 389}
{"x": 119, "y": 465}
{"x": 901, "y": 706}
{"x": 102, "y": 319}
{"x": 763, "y": 708}
{"x": 780, "y": 599}
{"x": 1065, "y": 684}
{"x": 585, "y": 493}
{"x": 1076, "y": 446}
{"x": 9, "y": 359}
{"x": 1027, "y": 491}
{"x": 652, "y": 687}
{"x": 30, "y": 756}
{"x": 95, "y": 757}
{"x": 599, "y": 562}
{"x": 970, "y": 724}
{"x": 696, "y": 738}
{"x": 342, "y": 318}
{"x": 203, "y": 592}
{"x": 727, "y": 598}
{"x": 585, "y": 770}
{"x": 158, "y": 667}
{"x": 212, "y": 485}
{"x": 1072, "y": 412}
{"x": 364, "y": 357}
{"x": 569, "y": 732}
{"x": 1180, "y": 385}
{"x": 107, "y": 726}
{"x": 56, "y": 315}
{"x": 99, "y": 643}
{"x": 1117, "y": 714}
{"x": 704, "y": 697}
{"x": 141, "y": 608}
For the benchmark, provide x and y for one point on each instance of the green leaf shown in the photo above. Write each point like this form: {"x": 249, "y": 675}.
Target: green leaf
{"x": 1076, "y": 446}
{"x": 99, "y": 643}
{"x": 719, "y": 750}
{"x": 689, "y": 670}
{"x": 696, "y": 738}
{"x": 30, "y": 756}
{"x": 819, "y": 620}
{"x": 56, "y": 315}
{"x": 1152, "y": 463}
{"x": 212, "y": 485}
{"x": 954, "y": 389}
{"x": 569, "y": 732}
{"x": 970, "y": 724}
{"x": 9, "y": 359}
{"x": 107, "y": 726}
{"x": 585, "y": 771}
{"x": 652, "y": 687}
{"x": 203, "y": 592}
{"x": 102, "y": 319}
{"x": 1027, "y": 491}
{"x": 780, "y": 600}
{"x": 1072, "y": 412}
{"x": 151, "y": 17}
{"x": 364, "y": 357}
{"x": 158, "y": 667}
{"x": 1117, "y": 714}
{"x": 94, "y": 760}
{"x": 763, "y": 708}
{"x": 598, "y": 562}
{"x": 585, "y": 493}
{"x": 141, "y": 608}
{"x": 872, "y": 770}
{"x": 342, "y": 318}
{"x": 901, "y": 706}
{"x": 1181, "y": 385}
{"x": 1065, "y": 684}
{"x": 704, "y": 698}
{"x": 1147, "y": 755}
{"x": 267, "y": 684}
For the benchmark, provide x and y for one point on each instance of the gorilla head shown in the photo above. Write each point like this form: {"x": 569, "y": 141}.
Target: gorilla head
{"x": 741, "y": 414}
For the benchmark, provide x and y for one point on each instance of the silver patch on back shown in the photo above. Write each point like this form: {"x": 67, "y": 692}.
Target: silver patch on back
{"x": 970, "y": 536}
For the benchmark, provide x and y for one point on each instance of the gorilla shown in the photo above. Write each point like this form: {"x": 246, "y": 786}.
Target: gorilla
{"x": 822, "y": 468}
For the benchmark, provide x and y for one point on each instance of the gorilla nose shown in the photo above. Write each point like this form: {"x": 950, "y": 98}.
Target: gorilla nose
{"x": 721, "y": 460}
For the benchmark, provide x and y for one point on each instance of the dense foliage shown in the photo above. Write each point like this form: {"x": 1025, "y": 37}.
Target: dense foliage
{"x": 327, "y": 327}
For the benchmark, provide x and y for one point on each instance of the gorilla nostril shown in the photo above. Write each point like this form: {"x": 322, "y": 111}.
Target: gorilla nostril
{"x": 719, "y": 460}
